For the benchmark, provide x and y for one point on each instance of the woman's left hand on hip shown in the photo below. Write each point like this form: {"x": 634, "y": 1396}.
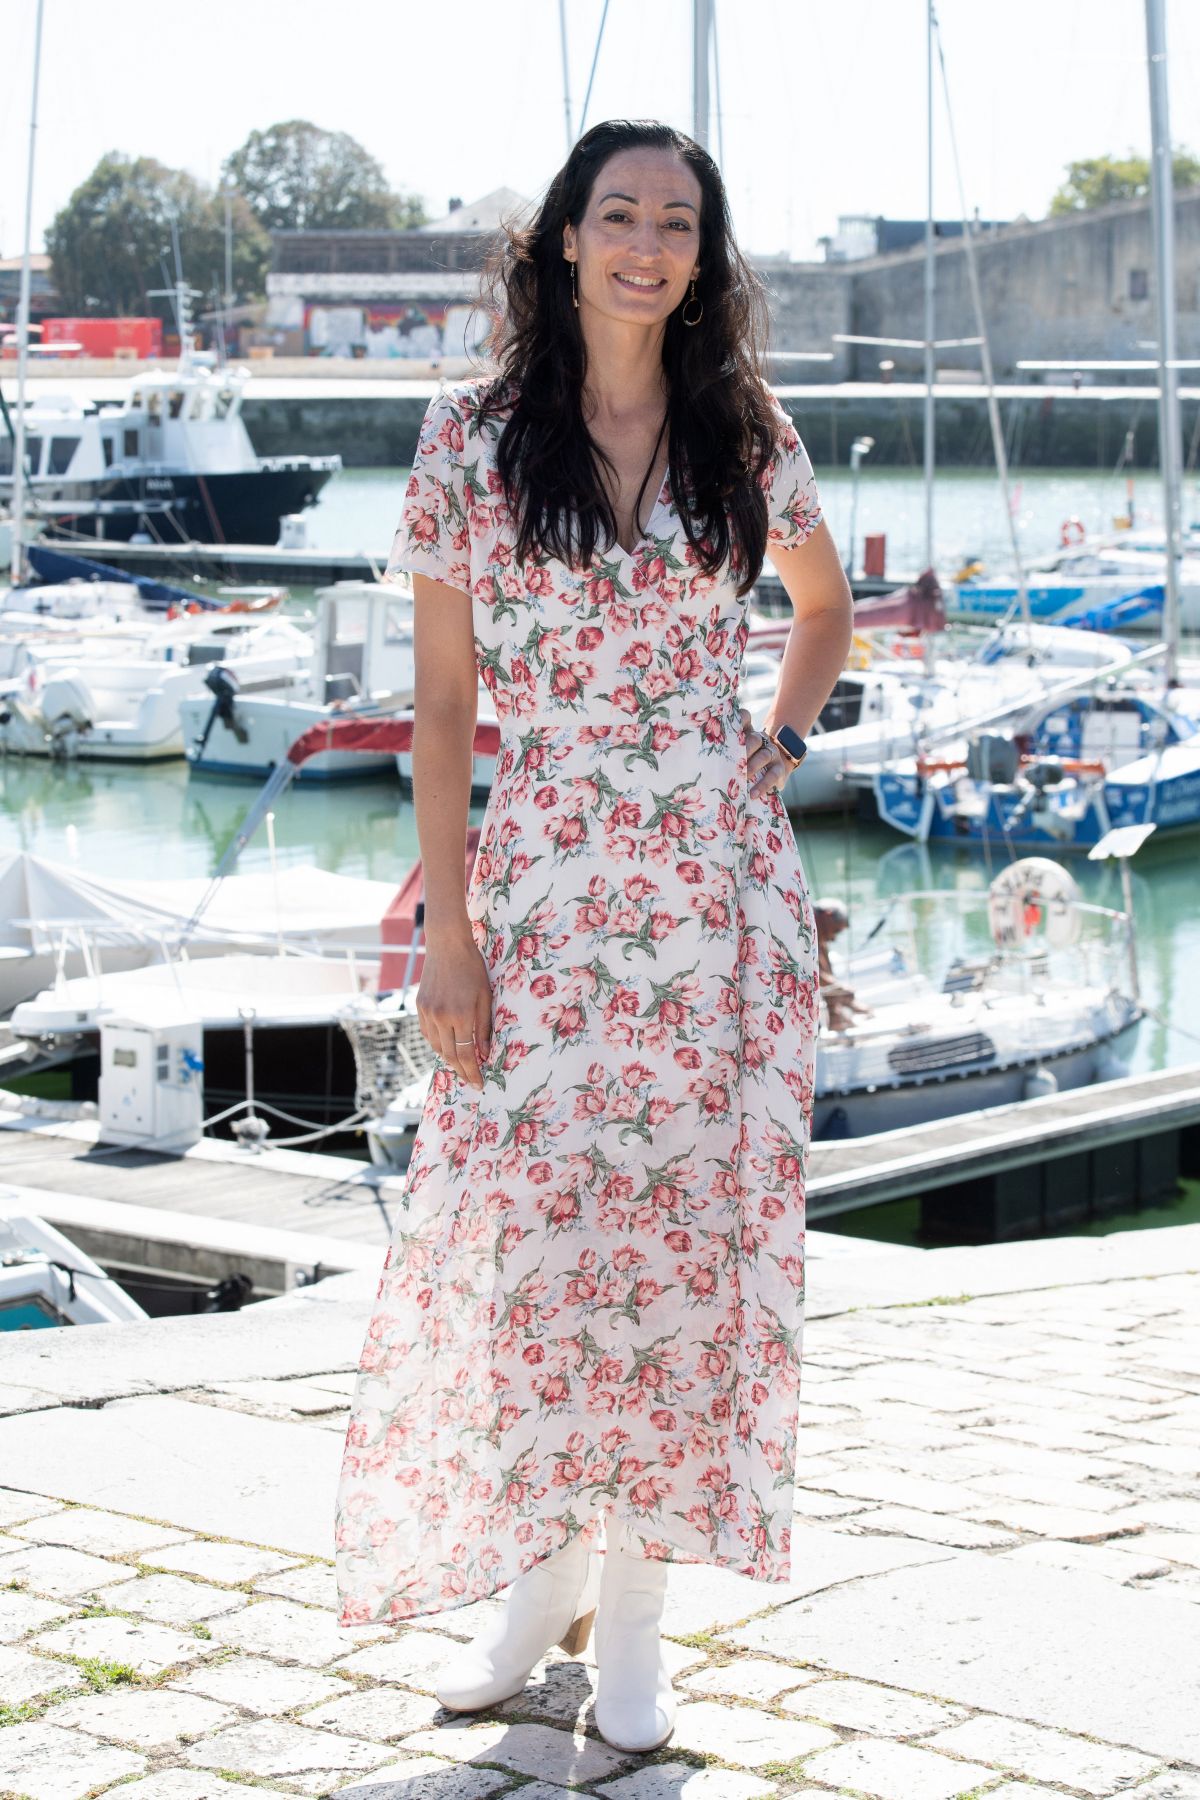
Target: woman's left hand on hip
{"x": 766, "y": 765}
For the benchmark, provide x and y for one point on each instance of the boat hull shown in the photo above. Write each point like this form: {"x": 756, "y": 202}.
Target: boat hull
{"x": 237, "y": 508}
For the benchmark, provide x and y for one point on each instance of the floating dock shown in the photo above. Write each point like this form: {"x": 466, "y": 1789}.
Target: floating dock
{"x": 287, "y": 1218}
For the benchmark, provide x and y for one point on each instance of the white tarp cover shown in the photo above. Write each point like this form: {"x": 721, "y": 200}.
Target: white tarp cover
{"x": 39, "y": 897}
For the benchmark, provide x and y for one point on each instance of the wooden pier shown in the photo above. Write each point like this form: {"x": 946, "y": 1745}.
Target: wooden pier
{"x": 286, "y": 1218}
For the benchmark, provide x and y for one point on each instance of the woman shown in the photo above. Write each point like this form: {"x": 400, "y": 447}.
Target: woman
{"x": 591, "y": 1308}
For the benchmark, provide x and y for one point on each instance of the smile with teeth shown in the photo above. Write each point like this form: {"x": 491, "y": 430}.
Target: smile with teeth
{"x": 640, "y": 281}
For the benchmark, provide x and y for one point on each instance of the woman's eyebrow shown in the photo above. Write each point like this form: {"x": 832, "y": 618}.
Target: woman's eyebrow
{"x": 634, "y": 202}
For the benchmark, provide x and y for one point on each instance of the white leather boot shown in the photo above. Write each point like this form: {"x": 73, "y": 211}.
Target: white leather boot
{"x": 635, "y": 1704}
{"x": 552, "y": 1603}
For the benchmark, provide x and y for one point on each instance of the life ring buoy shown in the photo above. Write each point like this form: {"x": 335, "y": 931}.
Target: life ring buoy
{"x": 1072, "y": 533}
{"x": 1034, "y": 895}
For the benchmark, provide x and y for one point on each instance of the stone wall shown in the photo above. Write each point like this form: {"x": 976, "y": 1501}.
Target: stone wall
{"x": 1076, "y": 286}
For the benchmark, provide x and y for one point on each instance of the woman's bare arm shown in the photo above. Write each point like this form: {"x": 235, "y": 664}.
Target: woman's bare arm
{"x": 454, "y": 998}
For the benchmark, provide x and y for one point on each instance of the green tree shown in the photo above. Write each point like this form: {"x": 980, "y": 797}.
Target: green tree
{"x": 1098, "y": 179}
{"x": 110, "y": 243}
{"x": 297, "y": 177}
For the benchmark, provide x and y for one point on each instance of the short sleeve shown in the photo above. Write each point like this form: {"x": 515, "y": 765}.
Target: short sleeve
{"x": 433, "y": 537}
{"x": 793, "y": 508}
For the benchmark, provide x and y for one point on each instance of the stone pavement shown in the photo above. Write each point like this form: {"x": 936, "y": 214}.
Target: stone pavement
{"x": 996, "y": 1561}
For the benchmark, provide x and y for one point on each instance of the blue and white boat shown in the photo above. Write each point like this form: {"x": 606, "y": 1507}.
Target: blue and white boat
{"x": 1094, "y": 762}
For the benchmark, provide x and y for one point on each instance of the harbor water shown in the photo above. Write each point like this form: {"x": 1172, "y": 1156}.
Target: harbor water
{"x": 161, "y": 821}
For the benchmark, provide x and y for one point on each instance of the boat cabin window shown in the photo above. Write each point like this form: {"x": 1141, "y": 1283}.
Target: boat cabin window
{"x": 200, "y": 408}
{"x": 136, "y": 400}
{"x": 108, "y": 449}
{"x": 33, "y": 455}
{"x": 223, "y": 402}
{"x": 154, "y": 408}
{"x": 842, "y": 708}
{"x": 133, "y": 443}
{"x": 61, "y": 451}
{"x": 175, "y": 402}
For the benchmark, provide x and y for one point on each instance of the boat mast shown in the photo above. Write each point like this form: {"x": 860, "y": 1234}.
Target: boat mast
{"x": 1162, "y": 209}
{"x": 566, "y": 72}
{"x": 18, "y": 481}
{"x": 930, "y": 446}
{"x": 702, "y": 25}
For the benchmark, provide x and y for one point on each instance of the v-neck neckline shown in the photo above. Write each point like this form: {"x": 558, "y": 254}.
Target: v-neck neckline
{"x": 646, "y": 537}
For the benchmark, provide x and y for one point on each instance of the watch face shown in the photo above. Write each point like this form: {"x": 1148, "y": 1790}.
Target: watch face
{"x": 792, "y": 742}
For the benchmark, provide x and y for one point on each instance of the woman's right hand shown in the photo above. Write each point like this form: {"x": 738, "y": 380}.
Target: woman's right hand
{"x": 454, "y": 1001}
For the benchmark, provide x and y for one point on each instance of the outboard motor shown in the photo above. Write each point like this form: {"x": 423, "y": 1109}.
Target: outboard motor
{"x": 994, "y": 758}
{"x": 222, "y": 684}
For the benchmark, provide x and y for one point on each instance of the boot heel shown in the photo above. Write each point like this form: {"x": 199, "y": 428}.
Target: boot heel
{"x": 579, "y": 1631}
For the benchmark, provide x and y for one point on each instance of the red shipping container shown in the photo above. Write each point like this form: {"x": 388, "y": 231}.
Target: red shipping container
{"x": 104, "y": 337}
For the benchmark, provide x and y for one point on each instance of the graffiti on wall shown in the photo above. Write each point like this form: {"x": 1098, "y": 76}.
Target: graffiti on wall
{"x": 417, "y": 330}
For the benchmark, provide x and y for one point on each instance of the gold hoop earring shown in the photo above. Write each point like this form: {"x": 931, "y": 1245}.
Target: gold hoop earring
{"x": 574, "y": 289}
{"x": 691, "y": 299}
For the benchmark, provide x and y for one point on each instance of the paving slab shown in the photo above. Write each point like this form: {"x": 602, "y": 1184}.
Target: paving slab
{"x": 680, "y": 1781}
{"x": 750, "y": 1678}
{"x": 894, "y": 1772}
{"x": 148, "y": 1648}
{"x": 25, "y": 1677}
{"x": 21, "y": 1613}
{"x": 258, "y": 1685}
{"x": 528, "y": 1749}
{"x": 150, "y": 1719}
{"x": 410, "y": 1658}
{"x": 379, "y": 1714}
{"x": 429, "y": 1778}
{"x": 704, "y": 1598}
{"x": 171, "y": 1599}
{"x": 290, "y": 1633}
{"x": 745, "y": 1735}
{"x": 163, "y": 1355}
{"x": 1108, "y": 1660}
{"x": 41, "y": 1761}
{"x": 221, "y": 1562}
{"x": 276, "y": 1489}
{"x": 860, "y": 1706}
{"x": 1045, "y": 1755}
{"x": 182, "y": 1784}
{"x": 103, "y": 1533}
{"x": 277, "y": 1749}
{"x": 59, "y": 1574}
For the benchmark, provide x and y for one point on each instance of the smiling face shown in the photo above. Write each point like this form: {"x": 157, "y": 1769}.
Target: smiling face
{"x": 637, "y": 245}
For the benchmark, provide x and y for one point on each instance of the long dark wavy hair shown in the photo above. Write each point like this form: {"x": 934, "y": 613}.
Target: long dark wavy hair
{"x": 720, "y": 426}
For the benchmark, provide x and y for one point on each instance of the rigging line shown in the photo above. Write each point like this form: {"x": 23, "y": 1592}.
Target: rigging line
{"x": 985, "y": 353}
{"x": 592, "y": 76}
{"x": 716, "y": 63}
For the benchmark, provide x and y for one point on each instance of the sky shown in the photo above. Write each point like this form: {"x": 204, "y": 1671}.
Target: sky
{"x": 822, "y": 101}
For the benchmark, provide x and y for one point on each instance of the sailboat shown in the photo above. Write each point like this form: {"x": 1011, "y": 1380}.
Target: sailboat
{"x": 1108, "y": 759}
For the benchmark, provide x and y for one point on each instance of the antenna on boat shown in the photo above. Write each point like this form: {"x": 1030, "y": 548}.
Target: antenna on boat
{"x": 18, "y": 479}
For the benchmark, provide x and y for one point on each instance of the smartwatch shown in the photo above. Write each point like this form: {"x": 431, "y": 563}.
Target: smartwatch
{"x": 791, "y": 743}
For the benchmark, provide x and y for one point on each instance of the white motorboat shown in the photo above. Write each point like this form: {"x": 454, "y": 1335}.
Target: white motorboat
{"x": 47, "y": 1282}
{"x": 172, "y": 452}
{"x": 58, "y": 923}
{"x": 361, "y": 667}
{"x": 114, "y": 693}
{"x": 892, "y": 706}
{"x": 1079, "y": 582}
{"x": 1036, "y": 991}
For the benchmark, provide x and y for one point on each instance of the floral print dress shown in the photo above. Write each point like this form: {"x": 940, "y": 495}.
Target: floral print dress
{"x": 593, "y": 1295}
